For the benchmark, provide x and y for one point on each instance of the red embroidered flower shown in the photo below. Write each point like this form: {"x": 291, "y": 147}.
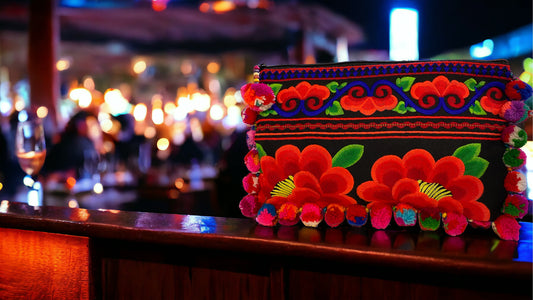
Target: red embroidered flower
{"x": 303, "y": 177}
{"x": 357, "y": 100}
{"x": 430, "y": 92}
{"x": 493, "y": 100}
{"x": 417, "y": 180}
{"x": 313, "y": 95}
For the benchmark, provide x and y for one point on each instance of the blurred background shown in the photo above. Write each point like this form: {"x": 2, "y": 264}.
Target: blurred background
{"x": 147, "y": 113}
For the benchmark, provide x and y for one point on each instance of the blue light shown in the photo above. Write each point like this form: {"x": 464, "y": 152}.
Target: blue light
{"x": 403, "y": 34}
{"x": 482, "y": 50}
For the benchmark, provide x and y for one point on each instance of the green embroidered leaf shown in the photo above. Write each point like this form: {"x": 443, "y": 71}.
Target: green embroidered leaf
{"x": 476, "y": 167}
{"x": 476, "y": 109}
{"x": 342, "y": 85}
{"x": 468, "y": 152}
{"x": 275, "y": 87}
{"x": 268, "y": 112}
{"x": 480, "y": 84}
{"x": 471, "y": 84}
{"x": 335, "y": 109}
{"x": 400, "y": 108}
{"x": 332, "y": 86}
{"x": 348, "y": 156}
{"x": 260, "y": 150}
{"x": 405, "y": 82}
{"x": 411, "y": 109}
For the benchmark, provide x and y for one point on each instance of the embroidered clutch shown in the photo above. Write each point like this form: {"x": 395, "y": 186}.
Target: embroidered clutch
{"x": 433, "y": 144}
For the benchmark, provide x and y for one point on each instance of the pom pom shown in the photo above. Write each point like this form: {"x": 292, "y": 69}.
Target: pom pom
{"x": 514, "y": 136}
{"x": 507, "y": 228}
{"x": 380, "y": 215}
{"x": 288, "y": 214}
{"x": 515, "y": 182}
{"x": 251, "y": 160}
{"x": 429, "y": 218}
{"x": 356, "y": 215}
{"x": 405, "y": 215}
{"x": 249, "y": 206}
{"x": 250, "y": 139}
{"x": 514, "y": 111}
{"x": 454, "y": 224}
{"x": 334, "y": 215}
{"x": 251, "y": 183}
{"x": 516, "y": 206}
{"x": 258, "y": 96}
{"x": 249, "y": 116}
{"x": 311, "y": 215}
{"x": 266, "y": 215}
{"x": 514, "y": 158}
{"x": 518, "y": 90}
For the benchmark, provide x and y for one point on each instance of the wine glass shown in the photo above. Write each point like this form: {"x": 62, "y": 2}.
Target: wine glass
{"x": 30, "y": 148}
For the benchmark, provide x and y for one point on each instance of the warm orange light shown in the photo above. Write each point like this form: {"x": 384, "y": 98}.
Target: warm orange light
{"x": 162, "y": 144}
{"x": 223, "y": 6}
{"x": 159, "y": 5}
{"x": 70, "y": 183}
{"x": 139, "y": 66}
{"x": 63, "y": 64}
{"x": 204, "y": 7}
{"x": 179, "y": 183}
{"x": 213, "y": 67}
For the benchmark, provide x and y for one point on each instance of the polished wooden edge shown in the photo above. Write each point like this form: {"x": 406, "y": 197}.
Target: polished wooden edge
{"x": 244, "y": 235}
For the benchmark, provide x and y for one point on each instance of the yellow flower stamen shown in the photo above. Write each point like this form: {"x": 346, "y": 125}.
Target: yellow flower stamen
{"x": 433, "y": 190}
{"x": 283, "y": 188}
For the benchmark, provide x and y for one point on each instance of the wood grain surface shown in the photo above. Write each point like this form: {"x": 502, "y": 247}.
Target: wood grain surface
{"x": 40, "y": 265}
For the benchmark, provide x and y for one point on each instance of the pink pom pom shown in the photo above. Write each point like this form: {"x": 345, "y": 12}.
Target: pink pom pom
{"x": 515, "y": 182}
{"x": 258, "y": 96}
{"x": 251, "y": 183}
{"x": 380, "y": 215}
{"x": 311, "y": 215}
{"x": 251, "y": 160}
{"x": 266, "y": 215}
{"x": 334, "y": 215}
{"x": 250, "y": 139}
{"x": 249, "y": 206}
{"x": 507, "y": 228}
{"x": 516, "y": 206}
{"x": 454, "y": 224}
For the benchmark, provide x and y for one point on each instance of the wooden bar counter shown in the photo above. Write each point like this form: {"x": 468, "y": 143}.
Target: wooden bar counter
{"x": 64, "y": 253}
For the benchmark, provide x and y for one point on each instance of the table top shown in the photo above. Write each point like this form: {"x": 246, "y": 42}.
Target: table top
{"x": 475, "y": 251}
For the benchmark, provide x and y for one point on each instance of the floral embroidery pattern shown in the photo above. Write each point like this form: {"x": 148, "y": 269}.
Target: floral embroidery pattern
{"x": 310, "y": 96}
{"x": 432, "y": 94}
{"x": 421, "y": 182}
{"x": 304, "y": 177}
{"x": 359, "y": 100}
{"x": 493, "y": 100}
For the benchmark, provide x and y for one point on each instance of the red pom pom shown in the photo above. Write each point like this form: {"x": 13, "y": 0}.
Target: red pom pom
{"x": 356, "y": 215}
{"x": 518, "y": 90}
{"x": 429, "y": 218}
{"x": 251, "y": 183}
{"x": 507, "y": 228}
{"x": 334, "y": 215}
{"x": 288, "y": 214}
{"x": 249, "y": 116}
{"x": 454, "y": 224}
{"x": 515, "y": 182}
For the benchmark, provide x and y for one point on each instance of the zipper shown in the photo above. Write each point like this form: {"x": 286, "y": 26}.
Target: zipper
{"x": 369, "y": 63}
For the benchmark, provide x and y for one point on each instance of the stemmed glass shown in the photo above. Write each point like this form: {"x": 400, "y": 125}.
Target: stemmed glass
{"x": 30, "y": 147}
